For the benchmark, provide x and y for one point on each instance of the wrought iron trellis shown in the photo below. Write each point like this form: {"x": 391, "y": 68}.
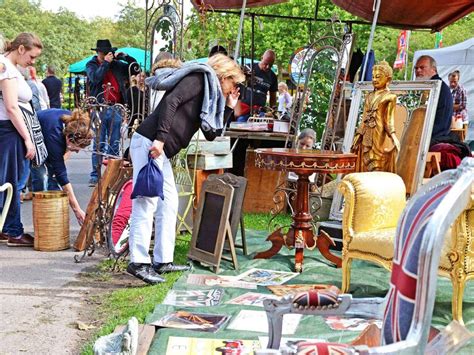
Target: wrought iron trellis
{"x": 157, "y": 11}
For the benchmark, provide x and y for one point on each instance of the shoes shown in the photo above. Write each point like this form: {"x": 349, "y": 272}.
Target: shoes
{"x": 92, "y": 182}
{"x": 163, "y": 268}
{"x": 25, "y": 240}
{"x": 145, "y": 273}
{"x": 3, "y": 237}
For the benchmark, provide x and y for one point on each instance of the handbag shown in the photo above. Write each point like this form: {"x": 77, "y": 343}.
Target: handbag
{"x": 36, "y": 134}
{"x": 149, "y": 181}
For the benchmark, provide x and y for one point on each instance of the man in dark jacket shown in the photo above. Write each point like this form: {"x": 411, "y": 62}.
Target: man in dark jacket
{"x": 54, "y": 87}
{"x": 425, "y": 69}
{"x": 107, "y": 74}
{"x": 442, "y": 140}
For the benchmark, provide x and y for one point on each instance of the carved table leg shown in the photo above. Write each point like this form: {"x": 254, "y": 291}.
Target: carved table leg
{"x": 277, "y": 242}
{"x": 323, "y": 243}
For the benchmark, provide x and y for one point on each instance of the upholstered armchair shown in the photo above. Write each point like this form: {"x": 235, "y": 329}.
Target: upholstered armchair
{"x": 406, "y": 311}
{"x": 457, "y": 258}
{"x": 373, "y": 205}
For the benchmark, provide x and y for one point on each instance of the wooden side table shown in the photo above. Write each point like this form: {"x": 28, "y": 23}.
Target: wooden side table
{"x": 303, "y": 163}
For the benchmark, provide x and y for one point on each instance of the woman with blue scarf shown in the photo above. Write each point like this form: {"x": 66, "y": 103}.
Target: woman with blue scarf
{"x": 198, "y": 96}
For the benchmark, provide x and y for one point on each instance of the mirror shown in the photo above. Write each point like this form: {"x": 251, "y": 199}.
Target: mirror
{"x": 414, "y": 118}
{"x": 318, "y": 73}
{"x": 320, "y": 85}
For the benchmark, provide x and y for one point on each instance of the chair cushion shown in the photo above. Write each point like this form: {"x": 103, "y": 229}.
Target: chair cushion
{"x": 317, "y": 348}
{"x": 378, "y": 242}
{"x": 317, "y": 298}
{"x": 402, "y": 297}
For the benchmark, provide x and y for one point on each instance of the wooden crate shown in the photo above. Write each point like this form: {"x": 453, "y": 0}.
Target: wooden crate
{"x": 210, "y": 161}
{"x": 218, "y": 145}
{"x": 260, "y": 186}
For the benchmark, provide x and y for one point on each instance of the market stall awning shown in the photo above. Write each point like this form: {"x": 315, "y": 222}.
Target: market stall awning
{"x": 409, "y": 14}
{"x": 231, "y": 4}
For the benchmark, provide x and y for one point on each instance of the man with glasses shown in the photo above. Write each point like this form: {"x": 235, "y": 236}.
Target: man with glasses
{"x": 425, "y": 69}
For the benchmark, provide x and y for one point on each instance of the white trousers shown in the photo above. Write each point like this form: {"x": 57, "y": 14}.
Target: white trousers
{"x": 144, "y": 208}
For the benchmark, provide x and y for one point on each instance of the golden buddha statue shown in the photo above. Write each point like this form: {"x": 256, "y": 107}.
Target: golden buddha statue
{"x": 377, "y": 124}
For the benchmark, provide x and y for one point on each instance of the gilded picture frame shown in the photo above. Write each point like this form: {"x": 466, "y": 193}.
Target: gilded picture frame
{"x": 416, "y": 95}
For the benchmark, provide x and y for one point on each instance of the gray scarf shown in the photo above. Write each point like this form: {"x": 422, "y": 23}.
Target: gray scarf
{"x": 213, "y": 103}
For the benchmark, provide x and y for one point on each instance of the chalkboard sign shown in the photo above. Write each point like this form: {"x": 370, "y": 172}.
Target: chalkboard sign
{"x": 239, "y": 183}
{"x": 212, "y": 225}
{"x": 209, "y": 230}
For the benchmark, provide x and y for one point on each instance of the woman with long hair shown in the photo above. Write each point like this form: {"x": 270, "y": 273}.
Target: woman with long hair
{"x": 183, "y": 110}
{"x": 67, "y": 132}
{"x": 16, "y": 143}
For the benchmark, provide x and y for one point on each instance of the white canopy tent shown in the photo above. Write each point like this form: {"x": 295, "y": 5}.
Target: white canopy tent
{"x": 458, "y": 57}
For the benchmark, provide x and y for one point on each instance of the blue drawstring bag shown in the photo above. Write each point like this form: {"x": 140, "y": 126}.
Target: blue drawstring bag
{"x": 149, "y": 181}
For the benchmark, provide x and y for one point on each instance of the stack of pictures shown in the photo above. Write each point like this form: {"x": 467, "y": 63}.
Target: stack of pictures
{"x": 221, "y": 281}
{"x": 194, "y": 346}
{"x": 251, "y": 299}
{"x": 263, "y": 277}
{"x": 193, "y": 321}
{"x": 194, "y": 298}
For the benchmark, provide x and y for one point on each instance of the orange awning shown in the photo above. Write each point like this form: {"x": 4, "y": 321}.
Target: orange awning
{"x": 411, "y": 14}
{"x": 231, "y": 4}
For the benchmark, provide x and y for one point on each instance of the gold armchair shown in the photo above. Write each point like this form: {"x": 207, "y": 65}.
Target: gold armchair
{"x": 457, "y": 258}
{"x": 373, "y": 204}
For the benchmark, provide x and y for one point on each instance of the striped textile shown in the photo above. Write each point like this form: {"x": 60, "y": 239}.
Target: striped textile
{"x": 399, "y": 311}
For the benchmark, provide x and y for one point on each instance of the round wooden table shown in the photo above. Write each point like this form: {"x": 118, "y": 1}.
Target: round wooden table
{"x": 303, "y": 163}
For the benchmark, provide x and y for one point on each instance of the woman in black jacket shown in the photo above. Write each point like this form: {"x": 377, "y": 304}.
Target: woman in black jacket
{"x": 197, "y": 96}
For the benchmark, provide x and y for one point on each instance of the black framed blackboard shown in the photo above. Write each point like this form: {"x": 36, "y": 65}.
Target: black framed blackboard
{"x": 209, "y": 229}
{"x": 239, "y": 183}
{"x": 212, "y": 227}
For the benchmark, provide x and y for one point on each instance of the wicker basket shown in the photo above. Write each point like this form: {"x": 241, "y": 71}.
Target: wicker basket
{"x": 51, "y": 220}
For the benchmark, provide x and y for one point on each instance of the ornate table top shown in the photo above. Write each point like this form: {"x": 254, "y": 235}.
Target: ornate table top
{"x": 305, "y": 161}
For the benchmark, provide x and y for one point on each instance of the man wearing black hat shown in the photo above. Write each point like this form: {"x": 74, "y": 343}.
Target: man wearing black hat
{"x": 107, "y": 74}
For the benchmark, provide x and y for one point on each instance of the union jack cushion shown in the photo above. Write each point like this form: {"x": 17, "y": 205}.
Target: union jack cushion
{"x": 315, "y": 348}
{"x": 399, "y": 310}
{"x": 317, "y": 298}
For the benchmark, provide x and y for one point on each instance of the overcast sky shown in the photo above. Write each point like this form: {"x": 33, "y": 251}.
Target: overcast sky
{"x": 91, "y": 8}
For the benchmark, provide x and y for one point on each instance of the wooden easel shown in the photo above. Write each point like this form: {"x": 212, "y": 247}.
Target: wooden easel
{"x": 233, "y": 256}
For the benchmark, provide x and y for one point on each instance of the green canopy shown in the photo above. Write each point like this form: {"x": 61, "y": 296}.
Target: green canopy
{"x": 137, "y": 53}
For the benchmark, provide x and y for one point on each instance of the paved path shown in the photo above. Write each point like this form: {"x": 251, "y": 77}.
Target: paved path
{"x": 40, "y": 296}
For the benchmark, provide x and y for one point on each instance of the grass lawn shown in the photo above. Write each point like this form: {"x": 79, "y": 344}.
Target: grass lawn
{"x": 119, "y": 306}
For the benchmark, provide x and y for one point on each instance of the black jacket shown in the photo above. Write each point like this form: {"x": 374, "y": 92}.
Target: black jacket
{"x": 444, "y": 111}
{"x": 177, "y": 117}
{"x": 120, "y": 68}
